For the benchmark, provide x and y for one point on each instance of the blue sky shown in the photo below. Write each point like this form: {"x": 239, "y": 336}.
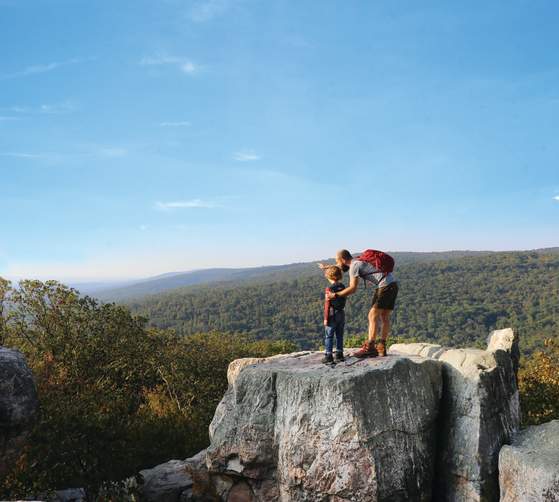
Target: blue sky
{"x": 142, "y": 137}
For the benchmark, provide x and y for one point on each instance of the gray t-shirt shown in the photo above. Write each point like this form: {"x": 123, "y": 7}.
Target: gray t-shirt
{"x": 369, "y": 273}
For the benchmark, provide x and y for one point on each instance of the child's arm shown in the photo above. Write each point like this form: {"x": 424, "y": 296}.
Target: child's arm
{"x": 326, "y": 306}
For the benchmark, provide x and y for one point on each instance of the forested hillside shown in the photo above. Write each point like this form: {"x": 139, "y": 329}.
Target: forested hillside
{"x": 267, "y": 274}
{"x": 454, "y": 302}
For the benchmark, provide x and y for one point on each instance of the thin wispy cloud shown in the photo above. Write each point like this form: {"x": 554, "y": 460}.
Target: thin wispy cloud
{"x": 183, "y": 123}
{"x": 40, "y": 68}
{"x": 74, "y": 154}
{"x": 187, "y": 204}
{"x": 298, "y": 42}
{"x": 45, "y": 109}
{"x": 24, "y": 155}
{"x": 113, "y": 152}
{"x": 246, "y": 156}
{"x": 183, "y": 64}
{"x": 556, "y": 198}
{"x": 206, "y": 10}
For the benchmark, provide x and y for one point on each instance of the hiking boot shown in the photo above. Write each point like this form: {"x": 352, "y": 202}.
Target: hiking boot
{"x": 381, "y": 349}
{"x": 327, "y": 359}
{"x": 339, "y": 357}
{"x": 367, "y": 350}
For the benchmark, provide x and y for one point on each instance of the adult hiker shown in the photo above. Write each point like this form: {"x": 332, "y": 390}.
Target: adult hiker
{"x": 375, "y": 267}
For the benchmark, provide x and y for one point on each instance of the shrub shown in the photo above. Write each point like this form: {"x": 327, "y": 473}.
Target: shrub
{"x": 538, "y": 381}
{"x": 115, "y": 396}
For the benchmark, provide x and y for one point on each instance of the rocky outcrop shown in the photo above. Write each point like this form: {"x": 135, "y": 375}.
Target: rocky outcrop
{"x": 293, "y": 429}
{"x": 529, "y": 468}
{"x": 507, "y": 341}
{"x": 18, "y": 403}
{"x": 479, "y": 413}
{"x": 424, "y": 423}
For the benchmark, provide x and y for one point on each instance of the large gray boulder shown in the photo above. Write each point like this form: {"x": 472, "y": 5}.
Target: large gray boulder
{"x": 529, "y": 468}
{"x": 292, "y": 429}
{"x": 165, "y": 482}
{"x": 18, "y": 403}
{"x": 479, "y": 413}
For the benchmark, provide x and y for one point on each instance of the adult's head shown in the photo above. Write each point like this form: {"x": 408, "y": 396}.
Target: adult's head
{"x": 343, "y": 259}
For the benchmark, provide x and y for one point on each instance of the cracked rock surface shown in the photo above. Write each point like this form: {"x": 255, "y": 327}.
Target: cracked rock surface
{"x": 529, "y": 468}
{"x": 425, "y": 423}
{"x": 290, "y": 428}
{"x": 479, "y": 413}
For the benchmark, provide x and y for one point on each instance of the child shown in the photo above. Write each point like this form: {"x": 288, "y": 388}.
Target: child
{"x": 334, "y": 316}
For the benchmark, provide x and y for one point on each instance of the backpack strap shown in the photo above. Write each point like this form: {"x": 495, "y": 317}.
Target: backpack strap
{"x": 384, "y": 275}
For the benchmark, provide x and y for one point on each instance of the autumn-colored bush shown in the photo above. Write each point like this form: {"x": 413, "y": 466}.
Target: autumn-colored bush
{"x": 115, "y": 396}
{"x": 538, "y": 382}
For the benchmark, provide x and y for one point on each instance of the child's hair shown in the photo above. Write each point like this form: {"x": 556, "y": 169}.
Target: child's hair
{"x": 333, "y": 273}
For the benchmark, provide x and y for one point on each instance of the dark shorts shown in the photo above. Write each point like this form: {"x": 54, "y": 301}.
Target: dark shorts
{"x": 385, "y": 298}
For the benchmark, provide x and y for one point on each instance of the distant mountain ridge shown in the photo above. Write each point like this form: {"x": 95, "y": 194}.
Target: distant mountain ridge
{"x": 174, "y": 280}
{"x": 455, "y": 301}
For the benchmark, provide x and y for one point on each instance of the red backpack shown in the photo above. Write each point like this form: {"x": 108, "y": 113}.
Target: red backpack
{"x": 383, "y": 262}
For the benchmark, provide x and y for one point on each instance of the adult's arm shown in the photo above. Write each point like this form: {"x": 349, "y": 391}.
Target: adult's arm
{"x": 352, "y": 288}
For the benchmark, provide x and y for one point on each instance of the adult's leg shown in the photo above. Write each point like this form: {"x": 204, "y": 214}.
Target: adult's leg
{"x": 385, "y": 320}
{"x": 374, "y": 318}
{"x": 385, "y": 304}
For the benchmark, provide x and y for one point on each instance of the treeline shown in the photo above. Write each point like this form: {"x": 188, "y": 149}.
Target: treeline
{"x": 453, "y": 302}
{"x": 115, "y": 396}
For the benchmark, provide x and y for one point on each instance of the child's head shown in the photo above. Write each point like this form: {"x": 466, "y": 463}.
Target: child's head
{"x": 333, "y": 273}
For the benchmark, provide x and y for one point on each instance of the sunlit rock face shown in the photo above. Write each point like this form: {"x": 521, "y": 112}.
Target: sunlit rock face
{"x": 479, "y": 413}
{"x": 18, "y": 403}
{"x": 424, "y": 423}
{"x": 294, "y": 429}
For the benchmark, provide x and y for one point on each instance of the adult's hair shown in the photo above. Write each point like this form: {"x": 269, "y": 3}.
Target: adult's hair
{"x": 344, "y": 254}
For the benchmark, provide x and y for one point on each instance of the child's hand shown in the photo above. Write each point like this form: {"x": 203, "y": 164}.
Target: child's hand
{"x": 325, "y": 322}
{"x": 322, "y": 266}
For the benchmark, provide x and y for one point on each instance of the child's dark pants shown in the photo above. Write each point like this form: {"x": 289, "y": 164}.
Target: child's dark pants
{"x": 335, "y": 327}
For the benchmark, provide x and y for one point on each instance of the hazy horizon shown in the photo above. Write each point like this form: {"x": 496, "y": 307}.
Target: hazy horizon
{"x": 76, "y": 280}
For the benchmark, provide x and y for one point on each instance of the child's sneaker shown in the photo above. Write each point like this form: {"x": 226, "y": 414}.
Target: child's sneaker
{"x": 339, "y": 357}
{"x": 381, "y": 349}
{"x": 367, "y": 350}
{"x": 327, "y": 359}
